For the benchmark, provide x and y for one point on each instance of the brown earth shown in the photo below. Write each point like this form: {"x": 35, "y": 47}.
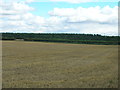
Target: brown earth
{"x": 58, "y": 65}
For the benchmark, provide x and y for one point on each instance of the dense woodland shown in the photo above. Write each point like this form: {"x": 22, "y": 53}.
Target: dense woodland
{"x": 64, "y": 38}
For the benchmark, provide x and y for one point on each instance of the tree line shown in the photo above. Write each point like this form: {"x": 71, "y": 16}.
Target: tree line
{"x": 63, "y": 37}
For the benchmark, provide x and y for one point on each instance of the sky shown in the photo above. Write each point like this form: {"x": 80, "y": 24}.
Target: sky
{"x": 59, "y": 16}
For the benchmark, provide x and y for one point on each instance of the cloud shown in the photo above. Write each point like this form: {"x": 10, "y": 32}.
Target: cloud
{"x": 84, "y": 1}
{"x": 14, "y": 8}
{"x": 16, "y": 17}
{"x": 68, "y": 1}
{"x": 93, "y": 20}
{"x": 71, "y": 1}
{"x": 92, "y": 14}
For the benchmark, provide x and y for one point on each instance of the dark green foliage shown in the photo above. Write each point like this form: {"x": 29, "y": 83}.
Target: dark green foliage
{"x": 63, "y": 37}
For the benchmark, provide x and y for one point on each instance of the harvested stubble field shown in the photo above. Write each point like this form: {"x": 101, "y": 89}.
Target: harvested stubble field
{"x": 58, "y": 65}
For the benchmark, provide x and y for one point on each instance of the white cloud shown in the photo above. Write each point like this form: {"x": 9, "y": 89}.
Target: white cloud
{"x": 71, "y": 1}
{"x": 84, "y": 1}
{"x": 96, "y": 28}
{"x": 16, "y": 17}
{"x": 68, "y": 1}
{"x": 14, "y": 8}
{"x": 95, "y": 20}
{"x": 92, "y": 14}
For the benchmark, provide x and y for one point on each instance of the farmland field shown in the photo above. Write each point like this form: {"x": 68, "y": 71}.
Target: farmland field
{"x": 59, "y": 65}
